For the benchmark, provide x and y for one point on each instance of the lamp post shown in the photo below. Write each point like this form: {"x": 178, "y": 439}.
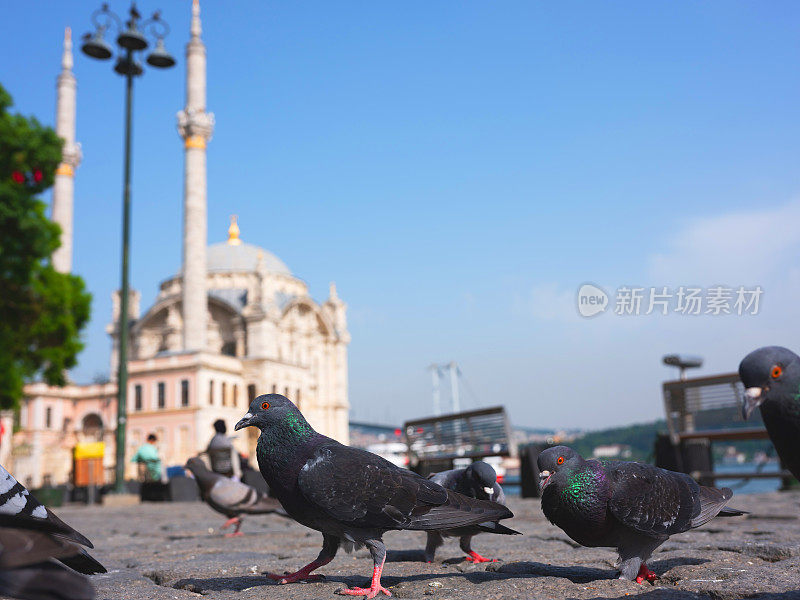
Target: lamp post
{"x": 131, "y": 40}
{"x": 683, "y": 362}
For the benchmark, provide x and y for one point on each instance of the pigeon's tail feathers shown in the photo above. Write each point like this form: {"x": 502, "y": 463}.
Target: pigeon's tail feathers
{"x": 493, "y": 527}
{"x": 459, "y": 511}
{"x": 712, "y": 502}
{"x": 732, "y": 512}
{"x": 83, "y": 562}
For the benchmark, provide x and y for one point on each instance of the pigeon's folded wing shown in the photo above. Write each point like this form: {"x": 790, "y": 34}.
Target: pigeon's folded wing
{"x": 361, "y": 489}
{"x": 23, "y": 547}
{"x": 364, "y": 490}
{"x": 652, "y": 500}
{"x": 240, "y": 497}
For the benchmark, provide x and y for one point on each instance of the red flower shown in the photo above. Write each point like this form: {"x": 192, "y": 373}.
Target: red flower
{"x": 18, "y": 177}
{"x": 37, "y": 175}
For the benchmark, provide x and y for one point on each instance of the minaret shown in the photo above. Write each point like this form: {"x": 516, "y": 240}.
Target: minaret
{"x": 195, "y": 126}
{"x": 64, "y": 185}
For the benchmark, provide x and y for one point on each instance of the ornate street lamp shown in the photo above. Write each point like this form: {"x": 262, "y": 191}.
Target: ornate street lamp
{"x": 131, "y": 41}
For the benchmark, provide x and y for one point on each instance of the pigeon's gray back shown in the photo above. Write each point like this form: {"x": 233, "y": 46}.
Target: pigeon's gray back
{"x": 238, "y": 497}
{"x": 457, "y": 480}
{"x": 448, "y": 479}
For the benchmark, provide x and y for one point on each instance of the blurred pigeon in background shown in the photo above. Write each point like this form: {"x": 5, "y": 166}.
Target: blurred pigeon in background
{"x": 230, "y": 497}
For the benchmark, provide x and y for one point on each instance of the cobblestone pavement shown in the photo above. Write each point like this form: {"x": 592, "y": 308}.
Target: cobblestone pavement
{"x": 175, "y": 550}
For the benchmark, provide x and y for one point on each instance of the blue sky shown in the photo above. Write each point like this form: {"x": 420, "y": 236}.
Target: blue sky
{"x": 459, "y": 170}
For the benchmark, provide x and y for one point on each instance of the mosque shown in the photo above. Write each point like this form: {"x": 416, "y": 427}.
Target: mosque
{"x": 233, "y": 324}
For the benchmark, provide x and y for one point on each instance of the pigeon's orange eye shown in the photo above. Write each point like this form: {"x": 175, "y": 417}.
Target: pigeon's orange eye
{"x": 560, "y": 460}
{"x": 776, "y": 372}
{"x": 264, "y": 405}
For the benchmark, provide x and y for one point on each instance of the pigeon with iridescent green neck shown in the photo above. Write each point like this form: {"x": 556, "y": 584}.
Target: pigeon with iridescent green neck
{"x": 352, "y": 496}
{"x": 771, "y": 377}
{"x": 630, "y": 506}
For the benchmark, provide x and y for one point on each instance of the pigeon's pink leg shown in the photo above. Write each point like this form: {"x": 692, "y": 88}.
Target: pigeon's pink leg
{"x": 374, "y": 589}
{"x": 645, "y": 574}
{"x": 302, "y": 574}
{"x": 234, "y": 521}
{"x": 474, "y": 557}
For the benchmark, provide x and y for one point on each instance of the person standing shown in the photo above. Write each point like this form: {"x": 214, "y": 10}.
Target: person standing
{"x": 222, "y": 455}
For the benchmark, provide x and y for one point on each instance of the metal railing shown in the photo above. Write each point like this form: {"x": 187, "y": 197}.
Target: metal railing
{"x": 471, "y": 434}
{"x": 709, "y": 409}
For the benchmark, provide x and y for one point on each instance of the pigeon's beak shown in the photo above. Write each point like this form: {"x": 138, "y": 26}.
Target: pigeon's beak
{"x": 243, "y": 422}
{"x": 544, "y": 479}
{"x": 753, "y": 397}
{"x": 489, "y": 491}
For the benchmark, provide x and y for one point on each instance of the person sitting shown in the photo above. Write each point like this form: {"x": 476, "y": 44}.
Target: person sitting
{"x": 222, "y": 455}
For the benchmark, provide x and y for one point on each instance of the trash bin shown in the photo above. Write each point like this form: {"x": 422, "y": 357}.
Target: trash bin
{"x": 51, "y": 497}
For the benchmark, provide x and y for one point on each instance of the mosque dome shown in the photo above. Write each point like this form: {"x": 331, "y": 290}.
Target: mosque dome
{"x": 235, "y": 255}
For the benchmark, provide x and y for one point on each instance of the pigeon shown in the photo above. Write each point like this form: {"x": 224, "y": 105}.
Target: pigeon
{"x": 230, "y": 497}
{"x": 36, "y": 547}
{"x": 350, "y": 495}
{"x": 478, "y": 480}
{"x": 771, "y": 377}
{"x": 630, "y": 506}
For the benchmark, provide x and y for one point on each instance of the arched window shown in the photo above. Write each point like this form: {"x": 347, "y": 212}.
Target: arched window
{"x": 92, "y": 427}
